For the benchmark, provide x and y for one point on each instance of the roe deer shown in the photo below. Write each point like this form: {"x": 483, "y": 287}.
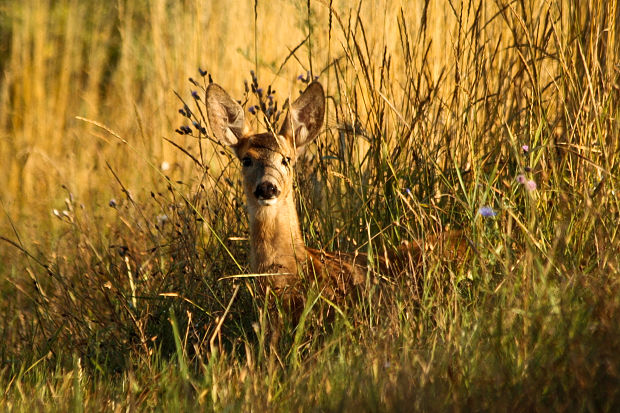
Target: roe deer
{"x": 277, "y": 247}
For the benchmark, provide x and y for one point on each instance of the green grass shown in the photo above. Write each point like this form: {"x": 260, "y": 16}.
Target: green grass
{"x": 118, "y": 246}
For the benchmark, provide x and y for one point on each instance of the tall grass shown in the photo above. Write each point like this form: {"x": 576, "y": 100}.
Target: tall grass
{"x": 119, "y": 236}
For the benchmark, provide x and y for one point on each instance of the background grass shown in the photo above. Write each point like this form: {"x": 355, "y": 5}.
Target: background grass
{"x": 118, "y": 233}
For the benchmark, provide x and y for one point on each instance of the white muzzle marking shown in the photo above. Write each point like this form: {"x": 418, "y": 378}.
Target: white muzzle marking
{"x": 267, "y": 202}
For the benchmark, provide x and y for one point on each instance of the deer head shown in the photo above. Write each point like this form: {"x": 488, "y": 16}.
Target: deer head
{"x": 267, "y": 159}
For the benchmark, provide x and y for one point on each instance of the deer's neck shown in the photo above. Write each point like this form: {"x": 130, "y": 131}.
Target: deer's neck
{"x": 276, "y": 242}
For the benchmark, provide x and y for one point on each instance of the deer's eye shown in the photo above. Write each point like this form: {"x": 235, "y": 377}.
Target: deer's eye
{"x": 246, "y": 162}
{"x": 286, "y": 161}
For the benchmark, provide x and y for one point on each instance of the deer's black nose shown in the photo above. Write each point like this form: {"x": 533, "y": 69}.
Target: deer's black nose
{"x": 266, "y": 190}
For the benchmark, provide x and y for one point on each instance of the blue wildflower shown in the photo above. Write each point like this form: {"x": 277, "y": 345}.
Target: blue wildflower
{"x": 487, "y": 212}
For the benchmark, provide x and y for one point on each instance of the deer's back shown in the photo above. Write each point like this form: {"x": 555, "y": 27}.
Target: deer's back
{"x": 339, "y": 274}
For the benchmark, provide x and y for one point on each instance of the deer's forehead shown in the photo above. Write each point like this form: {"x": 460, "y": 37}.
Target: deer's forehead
{"x": 264, "y": 145}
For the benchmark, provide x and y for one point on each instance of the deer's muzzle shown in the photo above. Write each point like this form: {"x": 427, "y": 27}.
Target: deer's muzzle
{"x": 266, "y": 193}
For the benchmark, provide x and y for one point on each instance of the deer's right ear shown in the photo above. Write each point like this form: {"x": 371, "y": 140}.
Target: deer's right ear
{"x": 305, "y": 117}
{"x": 225, "y": 116}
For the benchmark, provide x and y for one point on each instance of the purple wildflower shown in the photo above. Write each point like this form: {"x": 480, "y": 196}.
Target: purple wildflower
{"x": 487, "y": 212}
{"x": 530, "y": 185}
{"x": 525, "y": 148}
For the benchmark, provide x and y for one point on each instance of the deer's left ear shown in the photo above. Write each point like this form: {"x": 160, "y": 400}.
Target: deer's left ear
{"x": 305, "y": 117}
{"x": 225, "y": 116}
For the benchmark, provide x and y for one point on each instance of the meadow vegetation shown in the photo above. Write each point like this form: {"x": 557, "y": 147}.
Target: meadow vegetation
{"x": 123, "y": 237}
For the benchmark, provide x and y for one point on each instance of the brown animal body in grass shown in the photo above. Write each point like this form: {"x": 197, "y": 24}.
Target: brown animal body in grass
{"x": 277, "y": 248}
